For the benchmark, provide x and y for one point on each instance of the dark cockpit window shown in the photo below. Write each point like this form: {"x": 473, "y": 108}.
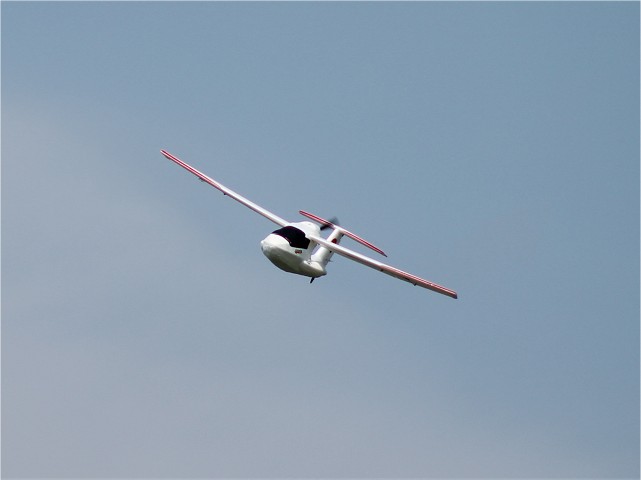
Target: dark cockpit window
{"x": 294, "y": 236}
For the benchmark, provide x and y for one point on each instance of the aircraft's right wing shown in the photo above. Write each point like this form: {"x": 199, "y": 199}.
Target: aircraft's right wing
{"x": 382, "y": 267}
{"x": 230, "y": 193}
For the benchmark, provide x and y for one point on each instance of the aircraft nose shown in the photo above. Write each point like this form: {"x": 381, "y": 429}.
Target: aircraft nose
{"x": 272, "y": 242}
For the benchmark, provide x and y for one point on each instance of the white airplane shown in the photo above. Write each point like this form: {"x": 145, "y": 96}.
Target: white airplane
{"x": 298, "y": 247}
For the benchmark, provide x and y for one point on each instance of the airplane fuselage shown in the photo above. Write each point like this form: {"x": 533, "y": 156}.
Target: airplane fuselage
{"x": 290, "y": 250}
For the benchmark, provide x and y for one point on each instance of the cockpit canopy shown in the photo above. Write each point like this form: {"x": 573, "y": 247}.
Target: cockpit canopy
{"x": 294, "y": 236}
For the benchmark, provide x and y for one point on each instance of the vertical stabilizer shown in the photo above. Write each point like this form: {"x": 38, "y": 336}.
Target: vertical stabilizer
{"x": 323, "y": 254}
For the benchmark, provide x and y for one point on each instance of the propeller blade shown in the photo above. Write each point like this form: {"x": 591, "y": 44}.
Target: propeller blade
{"x": 332, "y": 221}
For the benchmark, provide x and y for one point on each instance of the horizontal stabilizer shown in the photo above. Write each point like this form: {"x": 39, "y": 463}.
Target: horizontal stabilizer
{"x": 345, "y": 232}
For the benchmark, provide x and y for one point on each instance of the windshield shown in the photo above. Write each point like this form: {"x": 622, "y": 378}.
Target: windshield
{"x": 294, "y": 236}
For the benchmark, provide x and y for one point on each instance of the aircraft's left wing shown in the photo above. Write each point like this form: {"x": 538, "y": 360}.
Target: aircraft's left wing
{"x": 382, "y": 267}
{"x": 226, "y": 191}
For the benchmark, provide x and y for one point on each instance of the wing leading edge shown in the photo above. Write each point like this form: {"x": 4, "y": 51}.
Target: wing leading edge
{"x": 226, "y": 191}
{"x": 382, "y": 267}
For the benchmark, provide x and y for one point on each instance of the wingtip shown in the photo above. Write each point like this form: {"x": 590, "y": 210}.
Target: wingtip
{"x": 449, "y": 293}
{"x": 171, "y": 157}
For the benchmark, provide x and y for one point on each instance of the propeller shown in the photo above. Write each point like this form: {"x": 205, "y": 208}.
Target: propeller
{"x": 330, "y": 222}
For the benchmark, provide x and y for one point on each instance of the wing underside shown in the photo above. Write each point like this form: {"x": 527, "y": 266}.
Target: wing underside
{"x": 226, "y": 191}
{"x": 382, "y": 267}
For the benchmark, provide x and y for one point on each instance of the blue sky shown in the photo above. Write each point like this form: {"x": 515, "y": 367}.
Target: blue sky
{"x": 489, "y": 147}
